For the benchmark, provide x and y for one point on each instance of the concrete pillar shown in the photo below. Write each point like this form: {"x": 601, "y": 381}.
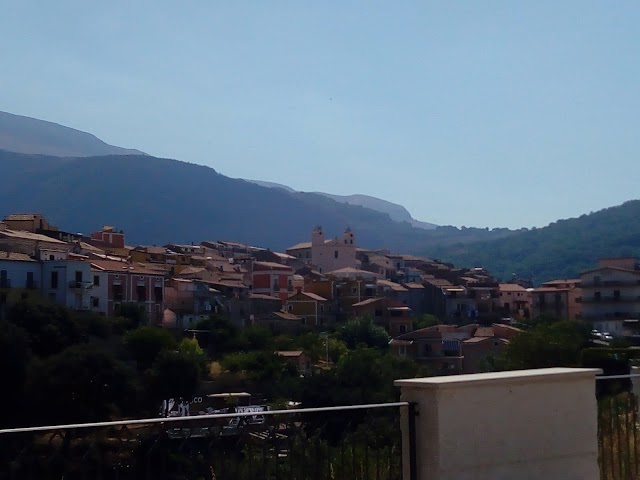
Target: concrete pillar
{"x": 526, "y": 424}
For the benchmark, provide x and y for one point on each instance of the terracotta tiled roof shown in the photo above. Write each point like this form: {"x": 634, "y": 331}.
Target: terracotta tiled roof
{"x": 511, "y": 287}
{"x": 413, "y": 285}
{"x": 484, "y": 332}
{"x": 476, "y": 339}
{"x": 290, "y": 353}
{"x": 288, "y": 316}
{"x": 314, "y": 296}
{"x": 396, "y": 287}
{"x": 16, "y": 257}
{"x": 123, "y": 267}
{"x": 151, "y": 249}
{"x": 271, "y": 266}
{"x": 19, "y": 234}
{"x": 21, "y": 216}
{"x": 300, "y": 246}
{"x": 260, "y": 296}
{"x": 368, "y": 301}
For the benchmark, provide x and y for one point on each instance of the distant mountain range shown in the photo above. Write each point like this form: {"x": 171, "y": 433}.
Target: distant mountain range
{"x": 562, "y": 249}
{"x": 156, "y": 201}
{"x": 159, "y": 200}
{"x": 29, "y": 135}
{"x": 397, "y": 212}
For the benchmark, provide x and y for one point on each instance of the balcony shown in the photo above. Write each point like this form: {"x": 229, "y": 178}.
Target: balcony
{"x": 610, "y": 299}
{"x": 360, "y": 442}
{"x": 75, "y": 285}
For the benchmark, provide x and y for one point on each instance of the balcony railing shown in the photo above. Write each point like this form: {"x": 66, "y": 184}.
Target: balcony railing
{"x": 611, "y": 299}
{"x": 360, "y": 442}
{"x": 618, "y": 428}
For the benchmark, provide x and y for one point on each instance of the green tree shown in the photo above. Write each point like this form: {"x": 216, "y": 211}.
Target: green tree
{"x": 80, "y": 384}
{"x": 145, "y": 343}
{"x": 50, "y": 328}
{"x": 134, "y": 314}
{"x": 548, "y": 345}
{"x": 424, "y": 321}
{"x": 362, "y": 331}
{"x": 221, "y": 336}
{"x": 191, "y": 348}
{"x": 174, "y": 374}
{"x": 14, "y": 359}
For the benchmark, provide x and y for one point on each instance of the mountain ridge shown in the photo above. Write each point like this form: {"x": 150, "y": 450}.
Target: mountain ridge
{"x": 396, "y": 211}
{"x": 29, "y": 135}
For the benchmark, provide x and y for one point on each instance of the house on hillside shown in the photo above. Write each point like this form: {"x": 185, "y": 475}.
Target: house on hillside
{"x": 119, "y": 282}
{"x": 515, "y": 300}
{"x": 316, "y": 311}
{"x": 297, "y": 358}
{"x": 327, "y": 254}
{"x": 269, "y": 278}
{"x": 610, "y": 295}
{"x": 393, "y": 315}
{"x": 447, "y": 349}
{"x": 110, "y": 241}
{"x": 557, "y": 298}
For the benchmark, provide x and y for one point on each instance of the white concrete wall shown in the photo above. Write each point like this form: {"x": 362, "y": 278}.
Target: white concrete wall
{"x": 527, "y": 424}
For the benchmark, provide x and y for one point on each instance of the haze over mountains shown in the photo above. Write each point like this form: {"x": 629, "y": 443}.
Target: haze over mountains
{"x": 395, "y": 211}
{"x": 159, "y": 200}
{"x": 29, "y": 135}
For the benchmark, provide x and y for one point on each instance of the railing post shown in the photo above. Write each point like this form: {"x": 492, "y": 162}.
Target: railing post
{"x": 411, "y": 427}
{"x": 530, "y": 424}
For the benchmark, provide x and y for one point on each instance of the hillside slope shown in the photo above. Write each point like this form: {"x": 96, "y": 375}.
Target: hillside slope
{"x": 560, "y": 250}
{"x": 32, "y": 136}
{"x": 159, "y": 200}
{"x": 397, "y": 212}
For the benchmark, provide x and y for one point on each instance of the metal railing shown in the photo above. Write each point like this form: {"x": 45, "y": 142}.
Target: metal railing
{"x": 618, "y": 428}
{"x": 348, "y": 442}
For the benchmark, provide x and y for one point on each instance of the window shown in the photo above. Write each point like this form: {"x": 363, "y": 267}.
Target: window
{"x": 290, "y": 285}
{"x": 335, "y": 254}
{"x": 116, "y": 308}
{"x": 30, "y": 282}
{"x": 402, "y": 350}
{"x": 52, "y": 257}
{"x": 597, "y": 296}
{"x": 290, "y": 307}
{"x": 117, "y": 293}
{"x": 141, "y": 293}
{"x": 354, "y": 290}
{"x": 78, "y": 276}
{"x": 96, "y": 280}
{"x": 54, "y": 280}
{"x": 597, "y": 280}
{"x": 3, "y": 298}
{"x": 377, "y": 312}
{"x": 403, "y": 329}
{"x": 157, "y": 294}
{"x": 95, "y": 302}
{"x": 321, "y": 308}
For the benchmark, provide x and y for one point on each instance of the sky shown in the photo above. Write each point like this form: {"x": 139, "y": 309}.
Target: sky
{"x": 487, "y": 114}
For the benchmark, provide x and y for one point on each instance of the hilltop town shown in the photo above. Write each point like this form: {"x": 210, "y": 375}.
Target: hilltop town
{"x": 315, "y": 285}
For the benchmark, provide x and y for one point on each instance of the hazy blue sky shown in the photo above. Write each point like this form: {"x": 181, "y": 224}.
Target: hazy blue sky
{"x": 476, "y": 113}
